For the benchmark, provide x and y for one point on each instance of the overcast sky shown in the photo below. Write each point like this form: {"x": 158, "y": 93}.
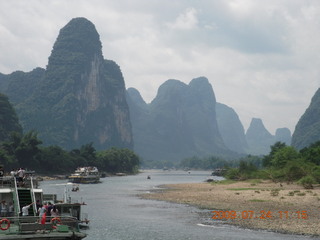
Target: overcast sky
{"x": 262, "y": 57}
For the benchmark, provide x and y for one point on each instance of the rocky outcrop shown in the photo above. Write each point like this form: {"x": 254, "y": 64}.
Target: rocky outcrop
{"x": 258, "y": 137}
{"x": 307, "y": 130}
{"x": 81, "y": 97}
{"x": 231, "y": 129}
{"x": 180, "y": 122}
{"x": 283, "y": 135}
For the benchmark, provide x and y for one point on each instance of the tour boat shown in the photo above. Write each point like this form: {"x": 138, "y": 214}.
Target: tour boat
{"x": 69, "y": 207}
{"x": 15, "y": 226}
{"x": 85, "y": 175}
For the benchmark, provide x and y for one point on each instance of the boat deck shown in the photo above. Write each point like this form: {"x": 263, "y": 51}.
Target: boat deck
{"x": 31, "y": 228}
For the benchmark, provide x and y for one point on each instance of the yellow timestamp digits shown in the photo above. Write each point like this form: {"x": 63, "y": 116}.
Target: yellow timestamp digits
{"x": 248, "y": 214}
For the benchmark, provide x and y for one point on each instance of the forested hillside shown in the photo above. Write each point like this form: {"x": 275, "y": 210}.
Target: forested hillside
{"x": 8, "y": 119}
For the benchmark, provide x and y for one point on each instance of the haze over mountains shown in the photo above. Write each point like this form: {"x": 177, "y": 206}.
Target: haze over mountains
{"x": 80, "y": 97}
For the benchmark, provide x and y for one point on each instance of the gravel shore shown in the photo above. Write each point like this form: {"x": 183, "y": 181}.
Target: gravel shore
{"x": 287, "y": 208}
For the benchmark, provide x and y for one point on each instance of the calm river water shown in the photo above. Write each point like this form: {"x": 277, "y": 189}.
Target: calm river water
{"x": 116, "y": 213}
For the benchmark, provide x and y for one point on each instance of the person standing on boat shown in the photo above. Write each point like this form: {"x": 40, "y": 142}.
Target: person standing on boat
{"x": 21, "y": 174}
{"x": 4, "y": 209}
{"x": 42, "y": 210}
{"x": 10, "y": 209}
{"x": 38, "y": 205}
{"x": 1, "y": 171}
{"x": 54, "y": 211}
{"x": 49, "y": 208}
{"x": 25, "y": 210}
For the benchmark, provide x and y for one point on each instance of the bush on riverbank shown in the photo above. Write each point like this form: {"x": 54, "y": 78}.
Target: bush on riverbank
{"x": 283, "y": 164}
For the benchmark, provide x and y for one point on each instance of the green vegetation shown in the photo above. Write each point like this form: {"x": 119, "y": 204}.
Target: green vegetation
{"x": 25, "y": 150}
{"x": 224, "y": 182}
{"x": 282, "y": 164}
{"x": 257, "y": 200}
{"x": 242, "y": 189}
{"x": 8, "y": 119}
{"x": 203, "y": 163}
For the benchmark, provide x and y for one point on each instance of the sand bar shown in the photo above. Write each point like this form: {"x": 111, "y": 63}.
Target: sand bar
{"x": 287, "y": 208}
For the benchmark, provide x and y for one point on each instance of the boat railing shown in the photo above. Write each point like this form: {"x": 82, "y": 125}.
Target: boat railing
{"x": 16, "y": 196}
{"x": 34, "y": 224}
{"x": 11, "y": 182}
{"x": 33, "y": 195}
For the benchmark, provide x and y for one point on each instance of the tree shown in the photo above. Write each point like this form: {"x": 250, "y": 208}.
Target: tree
{"x": 88, "y": 152}
{"x": 119, "y": 160}
{"x": 283, "y": 155}
{"x": 312, "y": 153}
{"x": 53, "y": 159}
{"x": 22, "y": 149}
{"x": 273, "y": 149}
{"x": 8, "y": 119}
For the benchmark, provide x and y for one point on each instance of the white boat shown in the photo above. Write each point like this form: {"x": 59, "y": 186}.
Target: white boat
{"x": 85, "y": 175}
{"x": 69, "y": 207}
{"x": 15, "y": 226}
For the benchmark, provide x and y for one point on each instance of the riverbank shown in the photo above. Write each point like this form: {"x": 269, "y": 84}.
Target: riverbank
{"x": 287, "y": 208}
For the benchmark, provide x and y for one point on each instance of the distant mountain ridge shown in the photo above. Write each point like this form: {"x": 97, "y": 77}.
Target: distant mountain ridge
{"x": 80, "y": 97}
{"x": 180, "y": 122}
{"x": 260, "y": 139}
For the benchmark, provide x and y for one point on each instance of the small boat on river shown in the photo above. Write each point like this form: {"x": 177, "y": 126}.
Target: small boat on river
{"x": 22, "y": 198}
{"x": 85, "y": 175}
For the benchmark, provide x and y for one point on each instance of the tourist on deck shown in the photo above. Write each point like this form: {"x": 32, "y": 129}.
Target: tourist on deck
{"x": 41, "y": 210}
{"x": 21, "y": 174}
{"x": 39, "y": 205}
{"x": 4, "y": 209}
{"x": 25, "y": 210}
{"x": 13, "y": 173}
{"x": 10, "y": 210}
{"x": 1, "y": 172}
{"x": 54, "y": 211}
{"x": 49, "y": 208}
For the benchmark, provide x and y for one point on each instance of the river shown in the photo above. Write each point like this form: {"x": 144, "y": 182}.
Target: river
{"x": 116, "y": 213}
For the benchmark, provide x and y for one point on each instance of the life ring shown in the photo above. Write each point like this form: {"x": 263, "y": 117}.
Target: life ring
{"x": 55, "y": 221}
{"x": 4, "y": 221}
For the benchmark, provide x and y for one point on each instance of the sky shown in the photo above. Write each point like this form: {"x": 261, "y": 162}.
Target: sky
{"x": 260, "y": 56}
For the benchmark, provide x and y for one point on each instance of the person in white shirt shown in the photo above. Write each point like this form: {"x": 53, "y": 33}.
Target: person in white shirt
{"x": 25, "y": 210}
{"x": 21, "y": 174}
{"x": 54, "y": 211}
{"x": 4, "y": 208}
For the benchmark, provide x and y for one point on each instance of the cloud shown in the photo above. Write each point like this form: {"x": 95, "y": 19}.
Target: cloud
{"x": 185, "y": 21}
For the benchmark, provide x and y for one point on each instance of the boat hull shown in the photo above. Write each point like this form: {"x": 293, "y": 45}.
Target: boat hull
{"x": 45, "y": 236}
{"x": 84, "y": 180}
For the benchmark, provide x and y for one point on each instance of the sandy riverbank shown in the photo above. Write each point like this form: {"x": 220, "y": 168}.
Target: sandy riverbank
{"x": 258, "y": 204}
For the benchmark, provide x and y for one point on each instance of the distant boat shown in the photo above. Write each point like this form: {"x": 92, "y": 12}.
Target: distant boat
{"x": 119, "y": 174}
{"x": 85, "y": 175}
{"x": 218, "y": 172}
